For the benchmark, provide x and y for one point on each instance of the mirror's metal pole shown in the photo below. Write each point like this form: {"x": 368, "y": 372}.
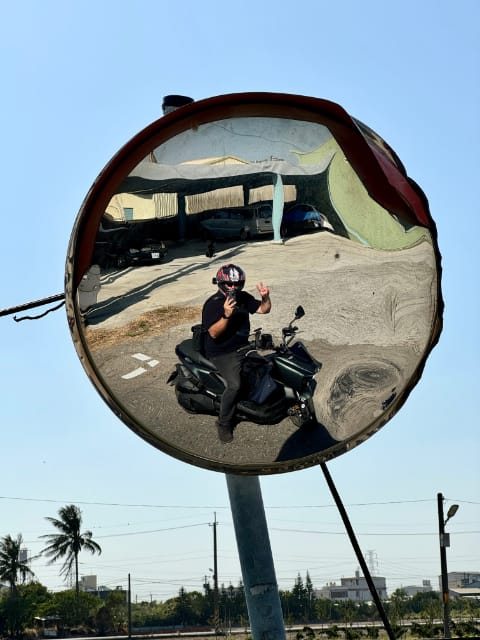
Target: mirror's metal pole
{"x": 256, "y": 560}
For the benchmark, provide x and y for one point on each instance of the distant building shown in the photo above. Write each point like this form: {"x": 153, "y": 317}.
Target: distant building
{"x": 47, "y": 627}
{"x": 412, "y": 590}
{"x": 463, "y": 584}
{"x": 89, "y": 584}
{"x": 460, "y": 579}
{"x": 355, "y": 589}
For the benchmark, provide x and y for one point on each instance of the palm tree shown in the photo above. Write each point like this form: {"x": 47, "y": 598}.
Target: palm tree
{"x": 11, "y": 566}
{"x": 69, "y": 542}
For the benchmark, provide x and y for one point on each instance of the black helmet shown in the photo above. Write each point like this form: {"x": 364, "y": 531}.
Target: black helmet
{"x": 229, "y": 275}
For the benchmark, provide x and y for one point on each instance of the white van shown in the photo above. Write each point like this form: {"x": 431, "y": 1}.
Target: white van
{"x": 243, "y": 223}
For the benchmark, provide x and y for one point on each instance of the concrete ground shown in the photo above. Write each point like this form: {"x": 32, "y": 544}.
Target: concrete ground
{"x": 368, "y": 320}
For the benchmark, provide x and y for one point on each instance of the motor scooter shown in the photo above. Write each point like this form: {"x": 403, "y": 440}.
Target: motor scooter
{"x": 279, "y": 381}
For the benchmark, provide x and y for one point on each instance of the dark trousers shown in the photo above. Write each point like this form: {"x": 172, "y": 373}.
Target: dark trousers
{"x": 229, "y": 366}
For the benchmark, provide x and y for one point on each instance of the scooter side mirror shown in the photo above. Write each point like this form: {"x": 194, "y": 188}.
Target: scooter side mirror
{"x": 299, "y": 313}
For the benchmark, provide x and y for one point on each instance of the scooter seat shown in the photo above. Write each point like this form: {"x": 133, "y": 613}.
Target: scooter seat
{"x": 186, "y": 349}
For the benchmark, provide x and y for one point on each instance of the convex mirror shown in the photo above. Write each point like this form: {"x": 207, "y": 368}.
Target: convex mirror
{"x": 311, "y": 203}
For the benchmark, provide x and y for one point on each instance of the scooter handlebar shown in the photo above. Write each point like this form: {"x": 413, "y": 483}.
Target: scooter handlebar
{"x": 289, "y": 331}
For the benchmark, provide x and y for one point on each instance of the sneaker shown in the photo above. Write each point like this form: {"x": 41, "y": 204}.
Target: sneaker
{"x": 225, "y": 433}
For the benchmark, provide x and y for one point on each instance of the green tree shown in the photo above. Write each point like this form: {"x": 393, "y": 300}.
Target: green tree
{"x": 11, "y": 567}
{"x": 332, "y": 632}
{"x": 14, "y": 614}
{"x": 117, "y": 607}
{"x": 433, "y": 609}
{"x": 183, "y": 608}
{"x": 74, "y": 609}
{"x": 298, "y": 600}
{"x": 187, "y": 607}
{"x": 113, "y": 616}
{"x": 37, "y": 596}
{"x": 309, "y": 598}
{"x": 398, "y": 605}
{"x": 323, "y": 609}
{"x": 69, "y": 541}
{"x": 18, "y": 609}
{"x": 348, "y": 609}
{"x": 207, "y": 603}
{"x": 422, "y": 600}
{"x": 241, "y": 612}
{"x": 15, "y": 611}
{"x": 466, "y": 608}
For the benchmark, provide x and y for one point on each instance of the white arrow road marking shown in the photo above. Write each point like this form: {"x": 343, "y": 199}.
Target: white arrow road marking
{"x": 140, "y": 370}
{"x": 134, "y": 373}
{"x": 141, "y": 356}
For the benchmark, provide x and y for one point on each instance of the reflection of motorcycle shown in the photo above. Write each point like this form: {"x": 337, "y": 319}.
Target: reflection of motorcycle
{"x": 276, "y": 385}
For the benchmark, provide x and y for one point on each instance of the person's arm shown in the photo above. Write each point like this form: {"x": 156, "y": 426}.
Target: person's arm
{"x": 266, "y": 303}
{"x": 217, "y": 328}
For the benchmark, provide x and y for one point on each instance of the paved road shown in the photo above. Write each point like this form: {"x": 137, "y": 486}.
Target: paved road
{"x": 365, "y": 320}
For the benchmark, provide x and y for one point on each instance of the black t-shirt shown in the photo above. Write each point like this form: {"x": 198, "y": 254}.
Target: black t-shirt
{"x": 238, "y": 325}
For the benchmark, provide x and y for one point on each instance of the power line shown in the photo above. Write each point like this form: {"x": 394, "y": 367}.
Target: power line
{"x": 32, "y": 305}
{"x": 112, "y": 504}
{"x": 371, "y": 533}
{"x": 189, "y": 506}
{"x": 136, "y": 533}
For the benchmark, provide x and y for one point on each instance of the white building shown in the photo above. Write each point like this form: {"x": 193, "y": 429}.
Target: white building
{"x": 412, "y": 590}
{"x": 88, "y": 583}
{"x": 355, "y": 589}
{"x": 463, "y": 579}
{"x": 463, "y": 584}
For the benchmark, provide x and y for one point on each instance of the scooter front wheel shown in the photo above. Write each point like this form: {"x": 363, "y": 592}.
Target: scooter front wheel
{"x": 301, "y": 423}
{"x": 301, "y": 417}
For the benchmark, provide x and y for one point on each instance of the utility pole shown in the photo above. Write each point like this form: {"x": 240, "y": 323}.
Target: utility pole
{"x": 216, "y": 612}
{"x": 444, "y": 543}
{"x": 129, "y": 607}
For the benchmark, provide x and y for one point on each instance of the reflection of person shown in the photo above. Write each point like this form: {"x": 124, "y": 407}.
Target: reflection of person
{"x": 226, "y": 319}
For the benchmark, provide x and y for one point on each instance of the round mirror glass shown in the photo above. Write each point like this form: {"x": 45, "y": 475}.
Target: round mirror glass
{"x": 329, "y": 295}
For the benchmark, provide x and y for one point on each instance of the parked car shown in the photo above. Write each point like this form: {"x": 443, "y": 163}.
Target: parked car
{"x": 304, "y": 217}
{"x": 238, "y": 223}
{"x": 147, "y": 252}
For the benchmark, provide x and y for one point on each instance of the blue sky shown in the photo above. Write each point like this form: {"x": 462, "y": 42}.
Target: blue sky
{"x": 79, "y": 79}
